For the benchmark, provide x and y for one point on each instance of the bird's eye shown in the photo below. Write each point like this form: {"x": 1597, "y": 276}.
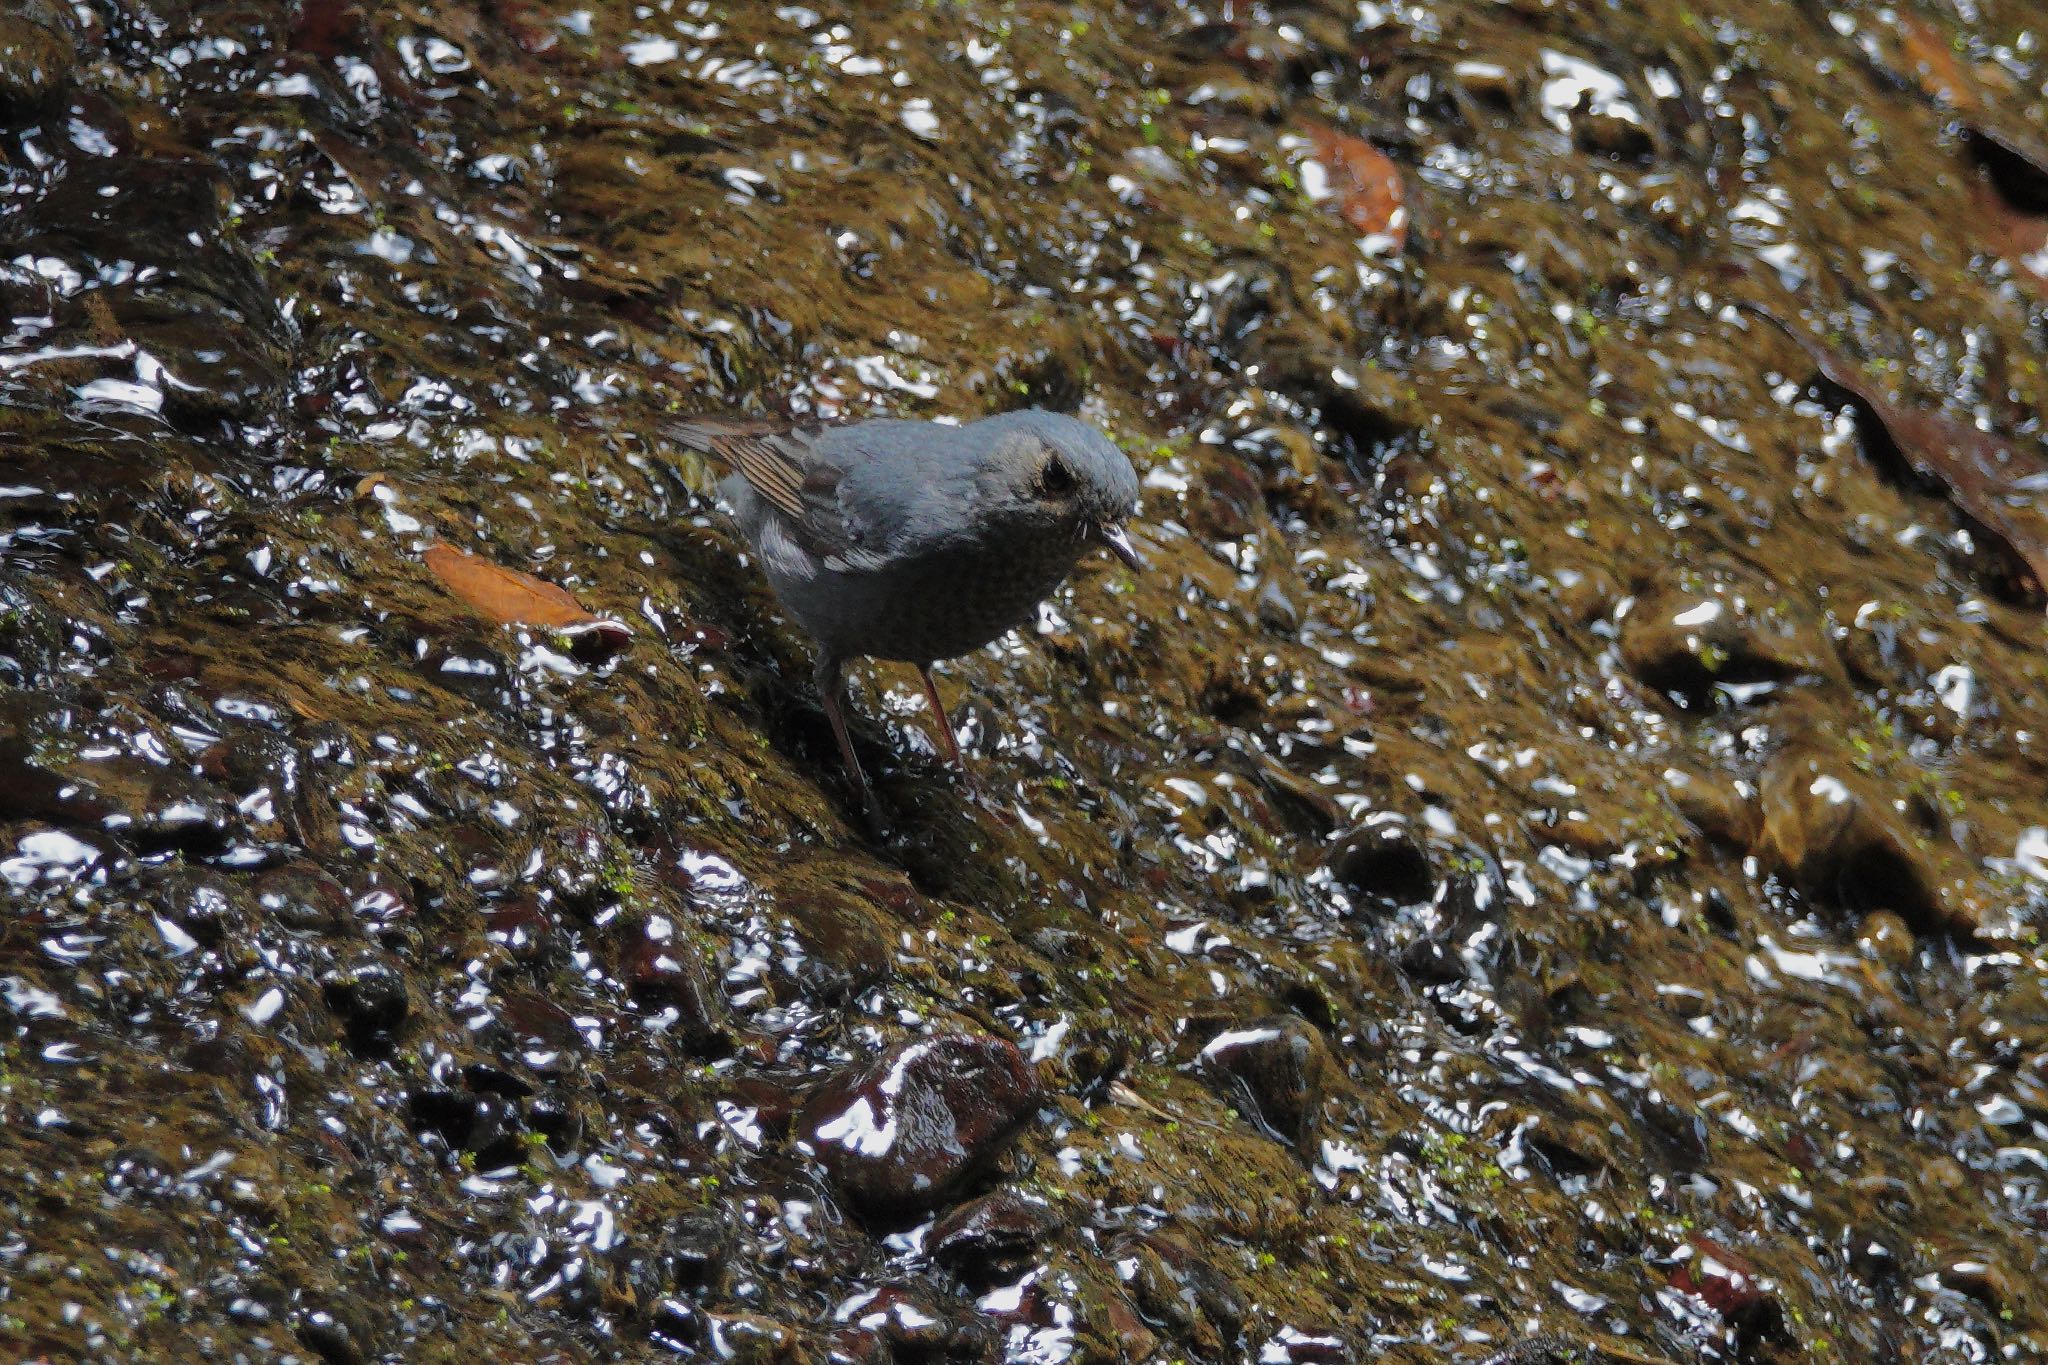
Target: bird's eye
{"x": 1055, "y": 480}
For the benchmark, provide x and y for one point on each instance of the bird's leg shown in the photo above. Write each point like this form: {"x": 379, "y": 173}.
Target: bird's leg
{"x": 945, "y": 724}
{"x": 832, "y": 691}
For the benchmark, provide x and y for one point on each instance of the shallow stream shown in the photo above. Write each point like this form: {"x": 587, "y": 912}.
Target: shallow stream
{"x": 1550, "y": 856}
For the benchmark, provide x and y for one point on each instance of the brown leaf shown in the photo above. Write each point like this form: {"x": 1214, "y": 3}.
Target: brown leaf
{"x": 2021, "y": 238}
{"x": 1370, "y": 194}
{"x": 2012, "y": 221}
{"x": 1999, "y": 486}
{"x": 2011, "y": 195}
{"x": 1935, "y": 66}
{"x": 510, "y": 597}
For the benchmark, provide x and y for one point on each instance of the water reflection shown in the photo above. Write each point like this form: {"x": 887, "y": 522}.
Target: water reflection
{"x": 1555, "y": 838}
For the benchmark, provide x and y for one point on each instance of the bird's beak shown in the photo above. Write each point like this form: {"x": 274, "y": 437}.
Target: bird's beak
{"x": 1113, "y": 536}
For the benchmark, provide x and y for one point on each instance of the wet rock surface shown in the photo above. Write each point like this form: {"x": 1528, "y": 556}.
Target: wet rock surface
{"x": 1719, "y": 636}
{"x": 1841, "y": 837}
{"x": 1272, "y": 1069}
{"x": 996, "y": 1234}
{"x": 394, "y": 968}
{"x": 1547, "y": 1350}
{"x": 901, "y": 1136}
{"x": 36, "y": 57}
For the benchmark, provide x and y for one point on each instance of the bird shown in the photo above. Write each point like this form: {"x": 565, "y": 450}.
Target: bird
{"x": 916, "y": 541}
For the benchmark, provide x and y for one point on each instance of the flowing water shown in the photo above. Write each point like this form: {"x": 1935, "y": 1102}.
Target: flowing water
{"x": 1550, "y": 855}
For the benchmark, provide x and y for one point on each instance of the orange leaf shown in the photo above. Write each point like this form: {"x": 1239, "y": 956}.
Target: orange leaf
{"x": 1370, "y": 195}
{"x": 510, "y": 597}
{"x": 1992, "y": 480}
{"x": 2006, "y": 149}
{"x": 1934, "y": 65}
{"x": 2021, "y": 238}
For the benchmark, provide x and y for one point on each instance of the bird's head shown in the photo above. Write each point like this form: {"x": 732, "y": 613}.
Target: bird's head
{"x": 1061, "y": 474}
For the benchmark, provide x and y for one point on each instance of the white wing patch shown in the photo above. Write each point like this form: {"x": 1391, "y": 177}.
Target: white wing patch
{"x": 781, "y": 551}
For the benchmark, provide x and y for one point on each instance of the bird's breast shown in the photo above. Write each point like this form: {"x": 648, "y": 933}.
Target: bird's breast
{"x": 936, "y": 605}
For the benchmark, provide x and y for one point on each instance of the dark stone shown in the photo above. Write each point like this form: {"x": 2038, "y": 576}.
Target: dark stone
{"x": 29, "y": 789}
{"x": 555, "y": 1118}
{"x": 1274, "y": 1070}
{"x": 37, "y": 56}
{"x": 206, "y": 904}
{"x": 260, "y": 765}
{"x": 666, "y": 971}
{"x": 301, "y": 897}
{"x": 486, "y": 1079}
{"x": 480, "y": 857}
{"x": 1834, "y": 832}
{"x": 901, "y": 1135}
{"x": 1178, "y": 1290}
{"x": 252, "y": 759}
{"x": 771, "y": 1101}
{"x": 1302, "y": 1346}
{"x": 521, "y": 927}
{"x": 576, "y": 865}
{"x": 485, "y": 1126}
{"x": 848, "y": 947}
{"x": 540, "y": 1022}
{"x": 1368, "y": 423}
{"x": 468, "y": 662}
{"x": 149, "y": 806}
{"x": 180, "y": 811}
{"x": 1383, "y": 860}
{"x": 1611, "y": 135}
{"x": 2014, "y": 165}
{"x": 382, "y": 908}
{"x": 1032, "y": 1306}
{"x": 211, "y": 313}
{"x": 992, "y": 1236}
{"x": 180, "y": 709}
{"x": 1695, "y": 641}
{"x": 895, "y": 1323}
{"x": 370, "y": 998}
{"x": 329, "y": 1338}
{"x": 696, "y": 1253}
{"x": 595, "y": 642}
{"x": 676, "y": 1325}
{"x": 1432, "y": 960}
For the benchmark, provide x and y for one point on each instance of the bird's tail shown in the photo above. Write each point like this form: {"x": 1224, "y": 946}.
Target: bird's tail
{"x": 688, "y": 452}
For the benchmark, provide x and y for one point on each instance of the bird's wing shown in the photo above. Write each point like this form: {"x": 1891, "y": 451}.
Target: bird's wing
{"x": 783, "y": 467}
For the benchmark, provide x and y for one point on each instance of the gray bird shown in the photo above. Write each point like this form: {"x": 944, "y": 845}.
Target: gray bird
{"x": 913, "y": 540}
